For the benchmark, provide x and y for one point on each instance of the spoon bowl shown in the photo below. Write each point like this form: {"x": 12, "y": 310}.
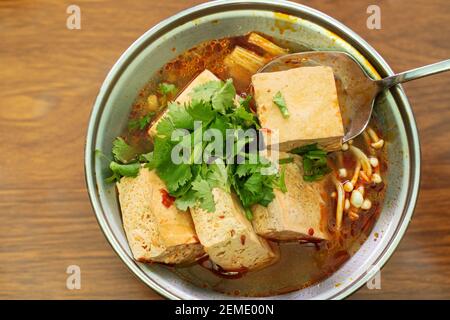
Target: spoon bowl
{"x": 356, "y": 90}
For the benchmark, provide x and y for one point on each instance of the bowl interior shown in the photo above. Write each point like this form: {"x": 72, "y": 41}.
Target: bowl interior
{"x": 142, "y": 61}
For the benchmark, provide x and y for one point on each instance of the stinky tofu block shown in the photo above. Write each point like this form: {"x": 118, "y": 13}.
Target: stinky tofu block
{"x": 312, "y": 102}
{"x": 298, "y": 214}
{"x": 228, "y": 237}
{"x": 155, "y": 232}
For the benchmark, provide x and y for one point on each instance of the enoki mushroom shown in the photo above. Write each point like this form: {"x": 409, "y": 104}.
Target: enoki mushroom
{"x": 350, "y": 194}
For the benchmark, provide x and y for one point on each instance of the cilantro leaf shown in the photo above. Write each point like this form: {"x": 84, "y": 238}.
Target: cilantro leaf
{"x": 245, "y": 102}
{"x": 223, "y": 98}
{"x": 120, "y": 170}
{"x": 161, "y": 151}
{"x": 267, "y": 196}
{"x": 180, "y": 117}
{"x": 286, "y": 160}
{"x": 315, "y": 165}
{"x": 201, "y": 111}
{"x": 192, "y": 182}
{"x": 251, "y": 185}
{"x": 205, "y": 91}
{"x": 304, "y": 149}
{"x": 248, "y": 214}
{"x": 246, "y": 118}
{"x": 140, "y": 123}
{"x": 282, "y": 182}
{"x": 221, "y": 123}
{"x": 204, "y": 194}
{"x": 281, "y": 103}
{"x": 123, "y": 170}
{"x": 243, "y": 114}
{"x": 122, "y": 151}
{"x": 247, "y": 169}
{"x": 218, "y": 175}
{"x": 219, "y": 94}
{"x": 254, "y": 183}
{"x": 165, "y": 127}
{"x": 146, "y": 157}
{"x": 187, "y": 200}
{"x": 167, "y": 88}
{"x": 113, "y": 178}
{"x": 174, "y": 175}
{"x": 239, "y": 147}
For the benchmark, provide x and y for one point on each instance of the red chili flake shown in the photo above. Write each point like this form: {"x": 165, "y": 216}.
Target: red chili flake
{"x": 221, "y": 217}
{"x": 166, "y": 199}
{"x": 243, "y": 239}
{"x": 311, "y": 231}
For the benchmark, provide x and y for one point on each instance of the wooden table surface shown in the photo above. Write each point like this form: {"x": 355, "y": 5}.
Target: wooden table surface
{"x": 49, "y": 79}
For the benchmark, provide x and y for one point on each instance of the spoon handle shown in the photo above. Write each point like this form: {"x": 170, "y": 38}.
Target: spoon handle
{"x": 413, "y": 74}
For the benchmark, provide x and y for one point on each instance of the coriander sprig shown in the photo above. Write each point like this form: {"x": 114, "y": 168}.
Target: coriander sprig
{"x": 278, "y": 99}
{"x": 315, "y": 165}
{"x": 214, "y": 105}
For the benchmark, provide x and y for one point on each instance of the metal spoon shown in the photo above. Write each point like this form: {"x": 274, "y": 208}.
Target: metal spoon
{"x": 356, "y": 90}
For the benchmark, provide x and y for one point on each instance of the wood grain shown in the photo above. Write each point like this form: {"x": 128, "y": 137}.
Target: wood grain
{"x": 50, "y": 78}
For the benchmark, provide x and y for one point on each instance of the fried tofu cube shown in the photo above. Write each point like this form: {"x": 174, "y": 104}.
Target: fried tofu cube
{"x": 312, "y": 102}
{"x": 228, "y": 236}
{"x": 156, "y": 233}
{"x": 298, "y": 214}
{"x": 184, "y": 97}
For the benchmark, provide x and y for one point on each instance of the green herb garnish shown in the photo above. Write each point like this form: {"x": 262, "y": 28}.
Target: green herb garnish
{"x": 304, "y": 149}
{"x": 286, "y": 160}
{"x": 283, "y": 187}
{"x": 218, "y": 94}
{"x": 126, "y": 162}
{"x": 167, "y": 88}
{"x": 278, "y": 99}
{"x": 141, "y": 123}
{"x": 315, "y": 165}
{"x": 123, "y": 170}
{"x": 192, "y": 183}
{"x": 123, "y": 152}
{"x": 248, "y": 214}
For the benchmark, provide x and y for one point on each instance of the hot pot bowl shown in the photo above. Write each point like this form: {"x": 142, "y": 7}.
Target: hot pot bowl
{"x": 290, "y": 22}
